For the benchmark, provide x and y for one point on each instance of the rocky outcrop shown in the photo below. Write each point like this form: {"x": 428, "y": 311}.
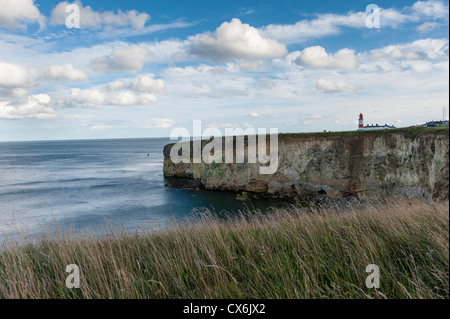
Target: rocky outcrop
{"x": 338, "y": 165}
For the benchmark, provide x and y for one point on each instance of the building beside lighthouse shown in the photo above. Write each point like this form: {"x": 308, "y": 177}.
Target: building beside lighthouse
{"x": 361, "y": 126}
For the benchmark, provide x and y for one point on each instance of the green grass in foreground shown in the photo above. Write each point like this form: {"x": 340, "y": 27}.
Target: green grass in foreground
{"x": 294, "y": 253}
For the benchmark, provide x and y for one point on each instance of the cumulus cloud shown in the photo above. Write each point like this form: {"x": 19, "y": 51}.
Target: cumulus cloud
{"x": 142, "y": 83}
{"x": 418, "y": 56}
{"x": 332, "y": 86}
{"x": 66, "y": 71}
{"x": 88, "y": 98}
{"x": 134, "y": 18}
{"x": 16, "y": 14}
{"x": 15, "y": 79}
{"x": 317, "y": 57}
{"x": 16, "y": 76}
{"x": 434, "y": 9}
{"x": 93, "y": 98}
{"x": 128, "y": 60}
{"x": 424, "y": 49}
{"x": 128, "y": 98}
{"x": 159, "y": 123}
{"x": 91, "y": 19}
{"x": 127, "y": 92}
{"x": 35, "y": 106}
{"x": 235, "y": 40}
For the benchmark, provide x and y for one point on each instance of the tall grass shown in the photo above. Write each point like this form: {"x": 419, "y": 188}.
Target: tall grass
{"x": 290, "y": 253}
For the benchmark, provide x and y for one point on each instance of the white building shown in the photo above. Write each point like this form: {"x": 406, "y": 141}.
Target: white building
{"x": 376, "y": 127}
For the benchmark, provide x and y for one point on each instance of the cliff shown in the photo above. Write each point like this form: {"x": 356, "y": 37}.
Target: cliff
{"x": 412, "y": 161}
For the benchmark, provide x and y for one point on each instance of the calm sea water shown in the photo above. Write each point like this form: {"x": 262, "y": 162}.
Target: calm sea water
{"x": 86, "y": 185}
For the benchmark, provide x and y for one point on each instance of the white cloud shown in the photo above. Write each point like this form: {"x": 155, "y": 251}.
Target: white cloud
{"x": 432, "y": 8}
{"x": 224, "y": 82}
{"x": 424, "y": 49}
{"x": 88, "y": 98}
{"x": 128, "y": 60}
{"x": 102, "y": 127}
{"x": 221, "y": 125}
{"x": 323, "y": 25}
{"x": 392, "y": 18}
{"x": 16, "y": 76}
{"x": 159, "y": 123}
{"x": 66, "y": 71}
{"x": 91, "y": 19}
{"x": 332, "y": 86}
{"x": 419, "y": 56}
{"x": 35, "y": 106}
{"x": 128, "y": 92}
{"x": 128, "y": 98}
{"x": 202, "y": 70}
{"x": 142, "y": 83}
{"x": 331, "y": 24}
{"x": 235, "y": 40}
{"x": 16, "y": 14}
{"x": 18, "y": 92}
{"x": 317, "y": 57}
{"x": 428, "y": 27}
{"x": 254, "y": 114}
{"x": 250, "y": 65}
{"x": 135, "y": 19}
{"x": 88, "y": 17}
{"x": 152, "y": 28}
{"x": 94, "y": 98}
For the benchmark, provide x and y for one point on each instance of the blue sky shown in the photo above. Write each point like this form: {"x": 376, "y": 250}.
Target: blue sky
{"x": 142, "y": 68}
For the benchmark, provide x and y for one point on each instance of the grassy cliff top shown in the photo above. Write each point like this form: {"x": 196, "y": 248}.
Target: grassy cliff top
{"x": 412, "y": 132}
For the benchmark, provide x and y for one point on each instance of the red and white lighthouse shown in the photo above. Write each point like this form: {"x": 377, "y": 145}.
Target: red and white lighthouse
{"x": 361, "y": 122}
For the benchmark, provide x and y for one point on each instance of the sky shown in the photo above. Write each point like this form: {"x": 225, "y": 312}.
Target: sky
{"x": 143, "y": 68}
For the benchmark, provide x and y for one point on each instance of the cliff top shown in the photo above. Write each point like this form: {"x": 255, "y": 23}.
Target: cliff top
{"x": 412, "y": 132}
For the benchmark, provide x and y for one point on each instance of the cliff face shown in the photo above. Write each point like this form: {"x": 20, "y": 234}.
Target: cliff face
{"x": 337, "y": 165}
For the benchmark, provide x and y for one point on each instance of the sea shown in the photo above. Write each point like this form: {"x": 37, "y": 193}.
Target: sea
{"x": 95, "y": 186}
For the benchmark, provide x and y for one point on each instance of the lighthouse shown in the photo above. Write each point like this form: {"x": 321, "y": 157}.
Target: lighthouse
{"x": 361, "y": 126}
{"x": 361, "y": 122}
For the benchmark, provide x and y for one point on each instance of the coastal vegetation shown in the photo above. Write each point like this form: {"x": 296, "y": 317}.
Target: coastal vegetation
{"x": 297, "y": 252}
{"x": 411, "y": 132}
